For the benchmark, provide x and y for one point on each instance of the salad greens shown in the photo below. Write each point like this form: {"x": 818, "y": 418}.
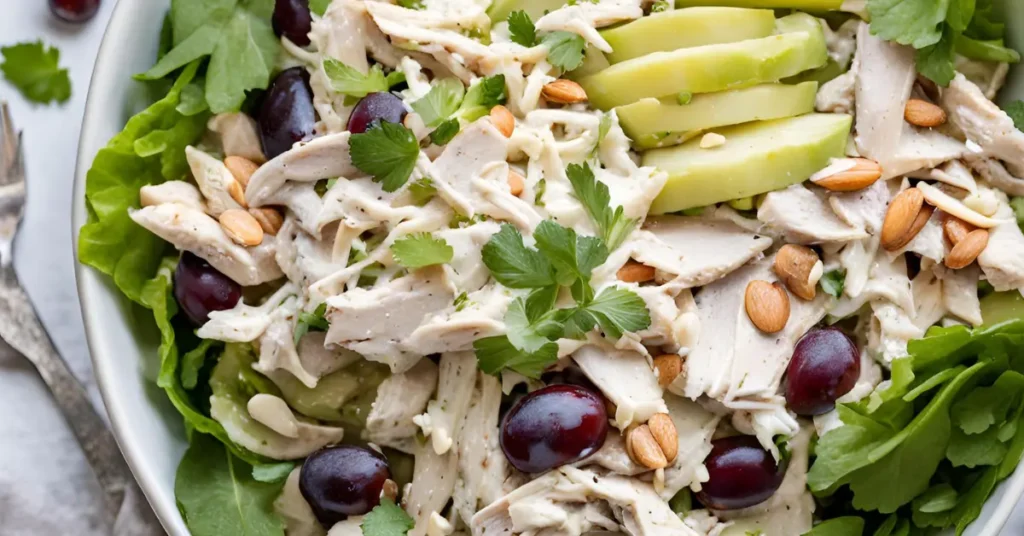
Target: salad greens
{"x": 34, "y": 69}
{"x": 387, "y": 151}
{"x": 386, "y": 519}
{"x": 421, "y": 249}
{"x": 565, "y": 49}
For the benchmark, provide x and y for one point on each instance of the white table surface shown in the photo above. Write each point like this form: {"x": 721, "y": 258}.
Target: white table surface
{"x": 46, "y": 487}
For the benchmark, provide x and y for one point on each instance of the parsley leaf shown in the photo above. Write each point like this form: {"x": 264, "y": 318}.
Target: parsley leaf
{"x": 593, "y": 194}
{"x": 483, "y": 95}
{"x": 603, "y": 128}
{"x": 387, "y": 519}
{"x": 936, "y": 61}
{"x": 513, "y": 264}
{"x": 618, "y": 310}
{"x": 531, "y": 322}
{"x": 908, "y": 22}
{"x": 573, "y": 257}
{"x": 388, "y": 151}
{"x": 833, "y": 282}
{"x": 33, "y": 69}
{"x": 316, "y": 321}
{"x": 422, "y": 191}
{"x": 521, "y": 28}
{"x": 565, "y": 49}
{"x": 349, "y": 81}
{"x": 496, "y": 353}
{"x": 445, "y": 132}
{"x": 440, "y": 102}
{"x": 421, "y": 249}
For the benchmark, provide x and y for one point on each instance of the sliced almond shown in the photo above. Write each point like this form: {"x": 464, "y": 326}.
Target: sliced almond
{"x": 795, "y": 265}
{"x": 644, "y": 449}
{"x": 899, "y": 218}
{"x": 669, "y": 366}
{"x": 955, "y": 228}
{"x": 953, "y": 206}
{"x": 241, "y": 227}
{"x": 270, "y": 219}
{"x": 923, "y": 113}
{"x": 663, "y": 430}
{"x": 241, "y": 169}
{"x": 274, "y": 413}
{"x": 767, "y": 305}
{"x": 563, "y": 91}
{"x": 503, "y": 120}
{"x": 967, "y": 250}
{"x": 862, "y": 174}
{"x": 635, "y": 272}
{"x": 516, "y": 183}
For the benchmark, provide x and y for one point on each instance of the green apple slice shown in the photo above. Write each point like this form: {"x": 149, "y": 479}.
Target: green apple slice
{"x": 536, "y": 9}
{"x": 809, "y": 5}
{"x": 711, "y": 68}
{"x": 756, "y": 158}
{"x": 594, "y": 61}
{"x": 711, "y": 110}
{"x": 686, "y": 28}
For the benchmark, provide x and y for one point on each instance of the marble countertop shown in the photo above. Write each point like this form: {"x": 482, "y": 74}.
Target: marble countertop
{"x": 45, "y": 484}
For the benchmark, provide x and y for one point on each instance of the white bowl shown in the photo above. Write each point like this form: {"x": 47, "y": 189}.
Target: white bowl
{"x": 122, "y": 339}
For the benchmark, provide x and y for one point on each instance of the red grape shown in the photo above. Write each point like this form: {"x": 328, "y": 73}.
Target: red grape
{"x": 286, "y": 115}
{"x": 825, "y": 366}
{"x": 343, "y": 481}
{"x": 201, "y": 289}
{"x": 380, "y": 106}
{"x": 553, "y": 426}
{"x": 741, "y": 474}
{"x": 75, "y": 10}
{"x": 292, "y": 20}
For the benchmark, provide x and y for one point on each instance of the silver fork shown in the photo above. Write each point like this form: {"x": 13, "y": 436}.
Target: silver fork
{"x": 126, "y": 509}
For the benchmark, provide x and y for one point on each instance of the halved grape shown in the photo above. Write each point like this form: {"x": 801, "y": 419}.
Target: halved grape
{"x": 741, "y": 474}
{"x": 825, "y": 366}
{"x": 342, "y": 481}
{"x": 201, "y": 289}
{"x": 553, "y": 426}
{"x": 380, "y": 106}
{"x": 286, "y": 115}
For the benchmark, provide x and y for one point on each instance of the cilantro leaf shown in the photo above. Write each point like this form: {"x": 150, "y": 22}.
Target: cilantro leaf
{"x": 387, "y": 519}
{"x": 316, "y": 321}
{"x": 531, "y": 322}
{"x": 440, "y": 102}
{"x": 349, "y": 81}
{"x": 388, "y": 151}
{"x": 596, "y": 199}
{"x": 483, "y": 95}
{"x": 513, "y": 264}
{"x": 936, "y": 61}
{"x": 565, "y": 49}
{"x": 237, "y": 37}
{"x": 521, "y": 28}
{"x": 618, "y": 310}
{"x": 917, "y": 23}
{"x": 421, "y": 249}
{"x": 445, "y": 132}
{"x": 496, "y": 353}
{"x": 422, "y": 191}
{"x": 833, "y": 282}
{"x": 34, "y": 70}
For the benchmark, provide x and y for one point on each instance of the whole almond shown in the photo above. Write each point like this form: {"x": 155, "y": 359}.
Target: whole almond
{"x": 967, "y": 250}
{"x": 899, "y": 218}
{"x": 663, "y": 430}
{"x": 516, "y": 183}
{"x": 635, "y": 272}
{"x": 241, "y": 227}
{"x": 237, "y": 193}
{"x": 864, "y": 173}
{"x": 241, "y": 169}
{"x": 955, "y": 228}
{"x": 563, "y": 91}
{"x": 923, "y": 113}
{"x": 767, "y": 305}
{"x": 669, "y": 367}
{"x": 640, "y": 443}
{"x": 270, "y": 219}
{"x": 795, "y": 265}
{"x": 503, "y": 120}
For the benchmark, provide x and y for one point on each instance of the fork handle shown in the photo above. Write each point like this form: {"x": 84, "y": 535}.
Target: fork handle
{"x": 21, "y": 329}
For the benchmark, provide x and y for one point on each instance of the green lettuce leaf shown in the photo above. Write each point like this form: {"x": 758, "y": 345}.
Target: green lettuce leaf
{"x": 150, "y": 150}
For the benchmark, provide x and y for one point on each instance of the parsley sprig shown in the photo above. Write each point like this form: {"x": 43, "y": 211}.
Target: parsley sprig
{"x": 593, "y": 194}
{"x": 565, "y": 49}
{"x": 387, "y": 519}
{"x": 448, "y": 103}
{"x": 349, "y": 81}
{"x": 34, "y": 70}
{"x": 388, "y": 151}
{"x": 421, "y": 249}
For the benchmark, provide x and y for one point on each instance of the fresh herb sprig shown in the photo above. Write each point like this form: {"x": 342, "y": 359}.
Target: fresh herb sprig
{"x": 613, "y": 224}
{"x": 448, "y": 104}
{"x": 565, "y": 49}
{"x": 34, "y": 69}
{"x": 388, "y": 151}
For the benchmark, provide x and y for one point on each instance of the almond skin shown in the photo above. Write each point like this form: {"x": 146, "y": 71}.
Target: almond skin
{"x": 269, "y": 219}
{"x": 563, "y": 91}
{"x": 669, "y": 367}
{"x": 864, "y": 173}
{"x": 241, "y": 227}
{"x": 241, "y": 169}
{"x": 635, "y": 272}
{"x": 767, "y": 305}
{"x": 967, "y": 250}
{"x": 899, "y": 219}
{"x": 955, "y": 229}
{"x": 795, "y": 266}
{"x": 663, "y": 430}
{"x": 503, "y": 120}
{"x": 922, "y": 113}
{"x": 644, "y": 448}
{"x": 516, "y": 183}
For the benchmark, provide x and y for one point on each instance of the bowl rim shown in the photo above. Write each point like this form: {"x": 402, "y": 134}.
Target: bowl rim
{"x": 90, "y": 284}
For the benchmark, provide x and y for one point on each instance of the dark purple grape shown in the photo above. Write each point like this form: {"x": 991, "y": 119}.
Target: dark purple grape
{"x": 825, "y": 366}
{"x": 741, "y": 474}
{"x": 74, "y": 10}
{"x": 292, "y": 20}
{"x": 201, "y": 289}
{"x": 343, "y": 481}
{"x": 553, "y": 426}
{"x": 287, "y": 114}
{"x": 381, "y": 106}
